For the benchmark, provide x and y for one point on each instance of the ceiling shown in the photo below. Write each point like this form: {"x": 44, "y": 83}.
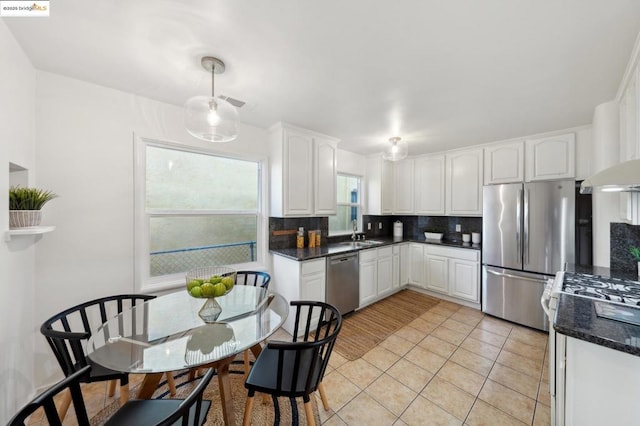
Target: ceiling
{"x": 441, "y": 74}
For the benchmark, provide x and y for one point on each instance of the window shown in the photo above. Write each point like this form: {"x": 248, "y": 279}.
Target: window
{"x": 196, "y": 209}
{"x": 348, "y": 194}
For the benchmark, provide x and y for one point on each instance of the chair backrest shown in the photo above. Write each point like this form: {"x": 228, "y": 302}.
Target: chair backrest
{"x": 195, "y": 397}
{"x": 302, "y": 362}
{"x": 66, "y": 331}
{"x": 45, "y": 400}
{"x": 254, "y": 278}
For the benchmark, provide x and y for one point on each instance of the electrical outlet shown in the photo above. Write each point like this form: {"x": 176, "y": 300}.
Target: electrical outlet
{"x": 380, "y": 225}
{"x": 458, "y": 228}
{"x": 368, "y": 226}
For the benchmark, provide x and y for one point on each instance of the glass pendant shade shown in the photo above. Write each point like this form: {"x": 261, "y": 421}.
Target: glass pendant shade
{"x": 398, "y": 150}
{"x": 211, "y": 118}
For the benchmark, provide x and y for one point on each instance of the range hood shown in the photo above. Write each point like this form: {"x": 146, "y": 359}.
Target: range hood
{"x": 623, "y": 177}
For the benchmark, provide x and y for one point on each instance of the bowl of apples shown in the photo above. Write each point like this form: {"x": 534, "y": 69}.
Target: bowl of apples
{"x": 208, "y": 283}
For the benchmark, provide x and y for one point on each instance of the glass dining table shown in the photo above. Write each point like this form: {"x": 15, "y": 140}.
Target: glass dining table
{"x": 166, "y": 334}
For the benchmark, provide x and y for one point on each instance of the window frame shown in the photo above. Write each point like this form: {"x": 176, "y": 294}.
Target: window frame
{"x": 359, "y": 205}
{"x": 144, "y": 283}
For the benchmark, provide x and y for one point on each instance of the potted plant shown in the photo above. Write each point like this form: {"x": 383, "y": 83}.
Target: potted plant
{"x": 635, "y": 252}
{"x": 25, "y": 206}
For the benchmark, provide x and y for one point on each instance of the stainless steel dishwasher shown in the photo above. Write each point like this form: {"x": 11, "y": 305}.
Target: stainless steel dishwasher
{"x": 343, "y": 282}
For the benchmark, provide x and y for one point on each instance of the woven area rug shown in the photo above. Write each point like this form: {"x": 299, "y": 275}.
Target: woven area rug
{"x": 364, "y": 329}
{"x": 283, "y": 411}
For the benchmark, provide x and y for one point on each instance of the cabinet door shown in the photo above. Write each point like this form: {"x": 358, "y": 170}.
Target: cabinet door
{"x": 550, "y": 158}
{"x": 404, "y": 264}
{"x": 368, "y": 281}
{"x": 504, "y": 163}
{"x": 403, "y": 180}
{"x": 429, "y": 185}
{"x": 416, "y": 265}
{"x": 464, "y": 183}
{"x": 463, "y": 279}
{"x": 325, "y": 177}
{"x": 298, "y": 178}
{"x": 387, "y": 187}
{"x": 312, "y": 287}
{"x": 385, "y": 276}
{"x": 436, "y": 273}
{"x": 395, "y": 271}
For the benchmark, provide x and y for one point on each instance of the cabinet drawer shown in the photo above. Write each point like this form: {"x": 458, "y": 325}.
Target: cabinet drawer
{"x": 385, "y": 252}
{"x": 464, "y": 254}
{"x": 313, "y": 267}
{"x": 368, "y": 255}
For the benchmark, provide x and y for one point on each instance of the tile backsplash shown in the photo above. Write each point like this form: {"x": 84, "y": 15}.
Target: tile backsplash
{"x": 415, "y": 226}
{"x": 293, "y": 223}
{"x": 623, "y": 236}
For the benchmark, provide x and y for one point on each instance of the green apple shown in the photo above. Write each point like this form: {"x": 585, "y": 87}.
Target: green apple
{"x": 208, "y": 290}
{"x": 219, "y": 289}
{"x": 215, "y": 279}
{"x": 228, "y": 282}
{"x": 196, "y": 291}
{"x": 193, "y": 283}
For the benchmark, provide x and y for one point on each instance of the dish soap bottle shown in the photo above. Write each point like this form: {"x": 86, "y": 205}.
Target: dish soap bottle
{"x": 300, "y": 238}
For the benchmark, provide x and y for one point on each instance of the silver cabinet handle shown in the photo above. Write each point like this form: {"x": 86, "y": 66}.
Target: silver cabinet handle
{"x": 516, "y": 277}
{"x": 519, "y": 227}
{"x": 526, "y": 226}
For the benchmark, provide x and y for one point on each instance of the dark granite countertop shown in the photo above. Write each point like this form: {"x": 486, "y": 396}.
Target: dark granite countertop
{"x": 344, "y": 247}
{"x": 576, "y": 317}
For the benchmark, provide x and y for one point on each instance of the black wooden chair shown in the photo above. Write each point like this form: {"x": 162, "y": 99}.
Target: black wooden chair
{"x": 68, "y": 331}
{"x": 295, "y": 369}
{"x": 254, "y": 278}
{"x": 157, "y": 412}
{"x": 45, "y": 401}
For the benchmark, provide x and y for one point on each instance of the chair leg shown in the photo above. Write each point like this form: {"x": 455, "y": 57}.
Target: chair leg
{"x": 171, "y": 383}
{"x": 247, "y": 364}
{"x": 192, "y": 374}
{"x": 64, "y": 404}
{"x": 248, "y": 407}
{"x": 124, "y": 393}
{"x": 112, "y": 388}
{"x": 323, "y": 396}
{"x": 311, "y": 421}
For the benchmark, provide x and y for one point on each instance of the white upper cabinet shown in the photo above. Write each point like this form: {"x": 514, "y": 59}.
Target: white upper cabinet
{"x": 303, "y": 172}
{"x": 504, "y": 163}
{"x": 325, "y": 176}
{"x": 550, "y": 158}
{"x": 403, "y": 185}
{"x": 630, "y": 120}
{"x": 464, "y": 183}
{"x": 379, "y": 186}
{"x": 429, "y": 185}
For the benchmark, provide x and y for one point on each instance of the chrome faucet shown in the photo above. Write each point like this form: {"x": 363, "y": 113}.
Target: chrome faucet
{"x": 354, "y": 223}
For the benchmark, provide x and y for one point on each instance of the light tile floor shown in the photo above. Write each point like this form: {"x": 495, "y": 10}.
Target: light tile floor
{"x": 452, "y": 366}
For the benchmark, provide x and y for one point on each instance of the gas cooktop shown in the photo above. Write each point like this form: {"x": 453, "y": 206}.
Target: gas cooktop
{"x": 599, "y": 287}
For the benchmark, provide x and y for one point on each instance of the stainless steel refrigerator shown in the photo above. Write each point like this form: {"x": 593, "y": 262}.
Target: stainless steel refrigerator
{"x": 528, "y": 235}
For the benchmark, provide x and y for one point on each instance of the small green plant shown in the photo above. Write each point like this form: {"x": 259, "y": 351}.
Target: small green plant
{"x": 635, "y": 252}
{"x": 29, "y": 198}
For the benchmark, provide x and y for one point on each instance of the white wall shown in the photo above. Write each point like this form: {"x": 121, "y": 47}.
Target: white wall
{"x": 85, "y": 153}
{"x": 17, "y": 257}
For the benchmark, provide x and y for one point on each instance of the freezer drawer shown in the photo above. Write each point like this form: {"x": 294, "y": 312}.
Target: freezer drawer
{"x": 514, "y": 296}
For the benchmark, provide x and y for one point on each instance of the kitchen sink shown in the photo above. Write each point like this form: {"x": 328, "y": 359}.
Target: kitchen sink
{"x": 358, "y": 244}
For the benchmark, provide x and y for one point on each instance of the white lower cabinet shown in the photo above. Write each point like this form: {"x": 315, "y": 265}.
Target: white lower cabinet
{"x": 378, "y": 277}
{"x": 299, "y": 281}
{"x": 452, "y": 271}
{"x": 416, "y": 264}
{"x": 404, "y": 263}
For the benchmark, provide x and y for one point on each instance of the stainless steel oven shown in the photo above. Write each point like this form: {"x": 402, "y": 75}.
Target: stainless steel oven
{"x": 557, "y": 351}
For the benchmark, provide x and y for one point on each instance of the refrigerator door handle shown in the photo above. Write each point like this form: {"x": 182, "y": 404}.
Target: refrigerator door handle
{"x": 526, "y": 227}
{"x": 519, "y": 227}
{"x": 517, "y": 277}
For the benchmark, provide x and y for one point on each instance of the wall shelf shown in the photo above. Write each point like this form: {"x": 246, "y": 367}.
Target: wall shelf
{"x": 34, "y": 230}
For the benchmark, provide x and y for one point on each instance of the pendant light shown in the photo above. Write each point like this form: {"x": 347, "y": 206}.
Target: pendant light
{"x": 398, "y": 150}
{"x": 211, "y": 118}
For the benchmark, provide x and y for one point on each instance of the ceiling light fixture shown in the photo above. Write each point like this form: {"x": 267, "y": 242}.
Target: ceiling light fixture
{"x": 211, "y": 118}
{"x": 397, "y": 151}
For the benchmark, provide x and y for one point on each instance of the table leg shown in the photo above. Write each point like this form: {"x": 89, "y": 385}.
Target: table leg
{"x": 225, "y": 392}
{"x": 149, "y": 385}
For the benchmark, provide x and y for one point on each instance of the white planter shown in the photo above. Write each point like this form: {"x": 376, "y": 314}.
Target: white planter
{"x": 24, "y": 218}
